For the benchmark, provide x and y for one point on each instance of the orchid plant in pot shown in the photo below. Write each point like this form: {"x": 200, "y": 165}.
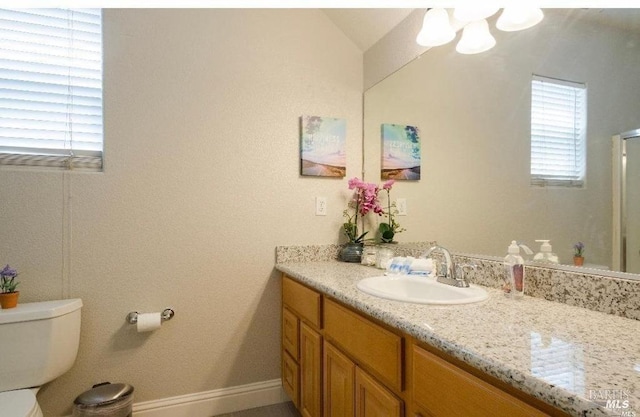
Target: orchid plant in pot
{"x": 364, "y": 200}
{"x": 8, "y": 294}
{"x": 388, "y": 230}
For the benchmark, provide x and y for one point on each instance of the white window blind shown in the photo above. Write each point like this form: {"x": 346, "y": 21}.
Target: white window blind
{"x": 51, "y": 88}
{"x": 558, "y": 132}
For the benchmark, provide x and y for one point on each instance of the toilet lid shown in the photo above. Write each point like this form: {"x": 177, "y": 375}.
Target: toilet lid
{"x": 19, "y": 403}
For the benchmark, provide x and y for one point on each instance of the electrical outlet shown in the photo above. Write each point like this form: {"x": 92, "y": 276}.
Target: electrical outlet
{"x": 401, "y": 206}
{"x": 321, "y": 206}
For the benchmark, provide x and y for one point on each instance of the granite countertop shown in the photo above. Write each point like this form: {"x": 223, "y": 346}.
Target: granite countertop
{"x": 569, "y": 357}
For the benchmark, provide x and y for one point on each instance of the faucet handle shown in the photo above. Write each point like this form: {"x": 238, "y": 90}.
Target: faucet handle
{"x": 462, "y": 270}
{"x": 440, "y": 267}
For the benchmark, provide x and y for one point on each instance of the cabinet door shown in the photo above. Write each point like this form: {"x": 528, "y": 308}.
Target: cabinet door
{"x": 339, "y": 380}
{"x": 310, "y": 372}
{"x": 374, "y": 400}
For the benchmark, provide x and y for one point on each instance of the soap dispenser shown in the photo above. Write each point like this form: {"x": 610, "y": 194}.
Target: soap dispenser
{"x": 546, "y": 254}
{"x": 514, "y": 270}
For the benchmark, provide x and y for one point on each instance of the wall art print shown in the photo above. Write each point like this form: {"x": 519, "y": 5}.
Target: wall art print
{"x": 400, "y": 152}
{"x": 323, "y": 146}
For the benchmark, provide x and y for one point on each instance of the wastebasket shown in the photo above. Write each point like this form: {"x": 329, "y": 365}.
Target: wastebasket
{"x": 104, "y": 400}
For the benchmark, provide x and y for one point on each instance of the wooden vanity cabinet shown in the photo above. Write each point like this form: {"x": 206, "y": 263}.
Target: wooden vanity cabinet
{"x": 338, "y": 363}
{"x": 335, "y": 362}
{"x": 302, "y": 347}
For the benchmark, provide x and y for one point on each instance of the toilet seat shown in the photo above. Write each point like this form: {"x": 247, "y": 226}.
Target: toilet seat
{"x": 19, "y": 403}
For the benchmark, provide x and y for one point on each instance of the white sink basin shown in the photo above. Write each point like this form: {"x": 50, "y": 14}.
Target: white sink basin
{"x": 421, "y": 290}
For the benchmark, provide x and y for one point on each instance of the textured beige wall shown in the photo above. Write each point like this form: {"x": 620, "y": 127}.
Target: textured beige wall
{"x": 394, "y": 50}
{"x": 201, "y": 182}
{"x": 473, "y": 112}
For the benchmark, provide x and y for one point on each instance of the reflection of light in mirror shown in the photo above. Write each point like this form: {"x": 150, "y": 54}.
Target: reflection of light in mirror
{"x": 437, "y": 28}
{"x": 637, "y": 367}
{"x": 476, "y": 38}
{"x": 557, "y": 362}
{"x": 519, "y": 18}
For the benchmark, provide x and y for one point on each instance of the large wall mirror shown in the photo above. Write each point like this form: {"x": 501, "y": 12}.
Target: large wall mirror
{"x": 473, "y": 112}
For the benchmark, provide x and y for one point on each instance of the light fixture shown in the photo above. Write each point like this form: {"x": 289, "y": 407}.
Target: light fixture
{"x": 475, "y": 38}
{"x": 470, "y": 14}
{"x": 436, "y": 29}
{"x": 519, "y": 18}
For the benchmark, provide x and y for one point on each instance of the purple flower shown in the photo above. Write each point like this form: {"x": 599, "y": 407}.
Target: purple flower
{"x": 578, "y": 248}
{"x": 388, "y": 184}
{"x": 8, "y": 281}
{"x": 8, "y": 272}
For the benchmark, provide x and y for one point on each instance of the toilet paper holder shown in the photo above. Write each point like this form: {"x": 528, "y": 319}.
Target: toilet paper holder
{"x": 167, "y": 314}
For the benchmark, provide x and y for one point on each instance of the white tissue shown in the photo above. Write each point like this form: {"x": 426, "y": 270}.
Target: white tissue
{"x": 422, "y": 265}
{"x": 148, "y": 322}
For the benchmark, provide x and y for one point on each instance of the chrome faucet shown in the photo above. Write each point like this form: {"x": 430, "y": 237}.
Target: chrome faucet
{"x": 448, "y": 273}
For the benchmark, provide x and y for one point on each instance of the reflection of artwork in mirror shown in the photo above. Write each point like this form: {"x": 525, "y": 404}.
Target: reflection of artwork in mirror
{"x": 322, "y": 146}
{"x": 400, "y": 152}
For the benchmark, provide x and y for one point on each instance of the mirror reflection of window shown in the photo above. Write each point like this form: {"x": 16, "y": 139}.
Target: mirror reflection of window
{"x": 557, "y": 362}
{"x": 558, "y": 132}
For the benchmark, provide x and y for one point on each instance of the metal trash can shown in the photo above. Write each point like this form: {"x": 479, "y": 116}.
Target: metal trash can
{"x": 105, "y": 400}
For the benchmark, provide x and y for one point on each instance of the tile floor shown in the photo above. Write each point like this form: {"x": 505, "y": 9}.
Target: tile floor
{"x": 277, "y": 410}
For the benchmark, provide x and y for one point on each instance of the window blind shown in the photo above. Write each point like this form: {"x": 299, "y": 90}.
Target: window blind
{"x": 558, "y": 132}
{"x": 51, "y": 88}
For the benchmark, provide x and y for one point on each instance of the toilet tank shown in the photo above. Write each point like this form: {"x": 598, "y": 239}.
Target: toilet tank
{"x": 38, "y": 342}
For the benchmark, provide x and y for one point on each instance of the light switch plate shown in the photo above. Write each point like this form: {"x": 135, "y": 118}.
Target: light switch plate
{"x": 401, "y": 206}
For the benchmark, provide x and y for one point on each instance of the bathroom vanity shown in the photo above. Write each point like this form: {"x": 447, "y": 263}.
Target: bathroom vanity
{"x": 346, "y": 353}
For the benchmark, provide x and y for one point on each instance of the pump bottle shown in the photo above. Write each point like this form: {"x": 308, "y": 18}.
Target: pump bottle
{"x": 546, "y": 254}
{"x": 514, "y": 270}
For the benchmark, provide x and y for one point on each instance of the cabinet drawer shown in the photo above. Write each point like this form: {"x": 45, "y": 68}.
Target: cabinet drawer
{"x": 304, "y": 301}
{"x": 290, "y": 378}
{"x": 443, "y": 389}
{"x": 372, "y": 346}
{"x": 290, "y": 331}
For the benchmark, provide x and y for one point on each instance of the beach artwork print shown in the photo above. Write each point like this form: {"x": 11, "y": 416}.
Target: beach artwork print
{"x": 400, "y": 152}
{"x": 322, "y": 146}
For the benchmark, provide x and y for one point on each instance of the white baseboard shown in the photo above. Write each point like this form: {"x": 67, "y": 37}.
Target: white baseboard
{"x": 211, "y": 403}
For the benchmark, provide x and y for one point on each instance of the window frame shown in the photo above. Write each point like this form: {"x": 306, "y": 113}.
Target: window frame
{"x": 54, "y": 117}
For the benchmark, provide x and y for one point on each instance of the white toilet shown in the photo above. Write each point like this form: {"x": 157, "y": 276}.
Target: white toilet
{"x": 39, "y": 342}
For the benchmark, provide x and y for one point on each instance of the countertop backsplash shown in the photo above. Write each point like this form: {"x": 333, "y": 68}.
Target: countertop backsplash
{"x": 588, "y": 289}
